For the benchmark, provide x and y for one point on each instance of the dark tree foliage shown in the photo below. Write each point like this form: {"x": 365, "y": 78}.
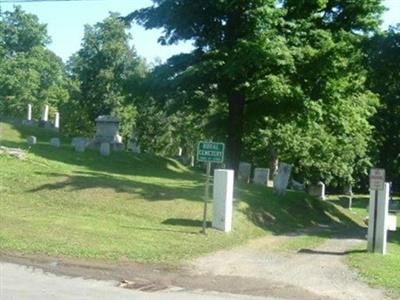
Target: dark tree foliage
{"x": 382, "y": 59}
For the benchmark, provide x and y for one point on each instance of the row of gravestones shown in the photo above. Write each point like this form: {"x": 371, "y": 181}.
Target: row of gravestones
{"x": 281, "y": 180}
{"x": 44, "y": 121}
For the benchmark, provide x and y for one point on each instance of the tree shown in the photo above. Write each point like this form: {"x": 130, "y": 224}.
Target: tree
{"x": 29, "y": 72}
{"x": 106, "y": 69}
{"x": 249, "y": 54}
{"x": 383, "y": 55}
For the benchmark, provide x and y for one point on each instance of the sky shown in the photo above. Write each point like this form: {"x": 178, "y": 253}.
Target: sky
{"x": 65, "y": 24}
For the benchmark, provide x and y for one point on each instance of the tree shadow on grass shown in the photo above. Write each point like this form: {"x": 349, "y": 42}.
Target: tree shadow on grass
{"x": 148, "y": 191}
{"x": 295, "y": 211}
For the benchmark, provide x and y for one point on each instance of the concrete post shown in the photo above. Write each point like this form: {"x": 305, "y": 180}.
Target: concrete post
{"x": 378, "y": 219}
{"x": 222, "y": 199}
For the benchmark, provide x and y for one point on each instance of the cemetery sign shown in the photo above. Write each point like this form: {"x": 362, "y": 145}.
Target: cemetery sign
{"x": 210, "y": 152}
{"x": 377, "y": 179}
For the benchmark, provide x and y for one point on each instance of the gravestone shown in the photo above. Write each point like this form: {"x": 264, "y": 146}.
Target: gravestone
{"x": 80, "y": 145}
{"x": 45, "y": 114}
{"x": 57, "y": 120}
{"x": 55, "y": 142}
{"x": 244, "y": 172}
{"x": 281, "y": 179}
{"x": 80, "y": 140}
{"x": 29, "y": 116}
{"x": 32, "y": 140}
{"x": 105, "y": 149}
{"x": 297, "y": 186}
{"x": 180, "y": 151}
{"x": 261, "y": 176}
{"x": 45, "y": 117}
{"x": 106, "y": 129}
{"x": 133, "y": 144}
{"x": 317, "y": 190}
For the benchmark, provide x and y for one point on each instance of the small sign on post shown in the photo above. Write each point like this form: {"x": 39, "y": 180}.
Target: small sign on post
{"x": 377, "y": 179}
{"x": 209, "y": 152}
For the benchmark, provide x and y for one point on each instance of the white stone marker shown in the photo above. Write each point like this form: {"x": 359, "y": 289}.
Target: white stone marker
{"x": 57, "y": 120}
{"x": 378, "y": 219}
{"x": 29, "y": 117}
{"x": 45, "y": 113}
{"x": 261, "y": 176}
{"x": 222, "y": 199}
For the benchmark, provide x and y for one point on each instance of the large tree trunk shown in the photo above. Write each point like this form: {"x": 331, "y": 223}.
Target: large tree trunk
{"x": 235, "y": 130}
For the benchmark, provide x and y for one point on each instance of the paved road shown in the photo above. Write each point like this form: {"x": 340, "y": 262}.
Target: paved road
{"x": 23, "y": 283}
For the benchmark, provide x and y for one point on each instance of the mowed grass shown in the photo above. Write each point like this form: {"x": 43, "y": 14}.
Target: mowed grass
{"x": 379, "y": 270}
{"x": 126, "y": 206}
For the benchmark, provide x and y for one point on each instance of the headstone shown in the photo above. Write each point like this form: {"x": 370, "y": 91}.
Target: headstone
{"x": 31, "y": 140}
{"x": 57, "y": 120}
{"x": 180, "y": 151}
{"x": 80, "y": 145}
{"x": 281, "y": 179}
{"x": 105, "y": 149}
{"x": 118, "y": 139}
{"x": 297, "y": 186}
{"x": 45, "y": 114}
{"x": 29, "y": 117}
{"x": 317, "y": 190}
{"x": 261, "y": 176}
{"x": 79, "y": 140}
{"x": 55, "y": 142}
{"x": 222, "y": 199}
{"x": 244, "y": 172}
{"x": 133, "y": 144}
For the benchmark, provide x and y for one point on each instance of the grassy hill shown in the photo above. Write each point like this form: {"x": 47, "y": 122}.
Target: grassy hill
{"x": 128, "y": 206}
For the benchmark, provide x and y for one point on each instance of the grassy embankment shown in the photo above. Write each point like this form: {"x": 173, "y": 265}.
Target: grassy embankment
{"x": 141, "y": 208}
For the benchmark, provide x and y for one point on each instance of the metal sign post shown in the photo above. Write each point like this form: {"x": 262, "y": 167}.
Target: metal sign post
{"x": 209, "y": 152}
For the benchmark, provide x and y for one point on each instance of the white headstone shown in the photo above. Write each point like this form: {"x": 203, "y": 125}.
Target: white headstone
{"x": 317, "y": 190}
{"x": 244, "y": 172}
{"x": 45, "y": 114}
{"x": 31, "y": 140}
{"x": 55, "y": 142}
{"x": 377, "y": 227}
{"x": 281, "y": 179}
{"x": 222, "y": 199}
{"x": 105, "y": 149}
{"x": 261, "y": 176}
{"x": 57, "y": 120}
{"x": 180, "y": 151}
{"x": 29, "y": 117}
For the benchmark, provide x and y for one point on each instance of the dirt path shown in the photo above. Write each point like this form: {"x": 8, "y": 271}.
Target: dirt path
{"x": 320, "y": 271}
{"x": 253, "y": 269}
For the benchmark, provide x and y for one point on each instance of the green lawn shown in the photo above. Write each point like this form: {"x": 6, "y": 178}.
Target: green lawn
{"x": 379, "y": 270}
{"x": 127, "y": 207}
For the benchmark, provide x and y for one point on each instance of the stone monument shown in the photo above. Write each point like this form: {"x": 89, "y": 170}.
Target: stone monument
{"x": 281, "y": 179}
{"x": 107, "y": 132}
{"x": 57, "y": 121}
{"x": 223, "y": 199}
{"x": 261, "y": 176}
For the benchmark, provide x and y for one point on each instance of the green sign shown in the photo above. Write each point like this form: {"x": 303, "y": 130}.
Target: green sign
{"x": 210, "y": 152}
